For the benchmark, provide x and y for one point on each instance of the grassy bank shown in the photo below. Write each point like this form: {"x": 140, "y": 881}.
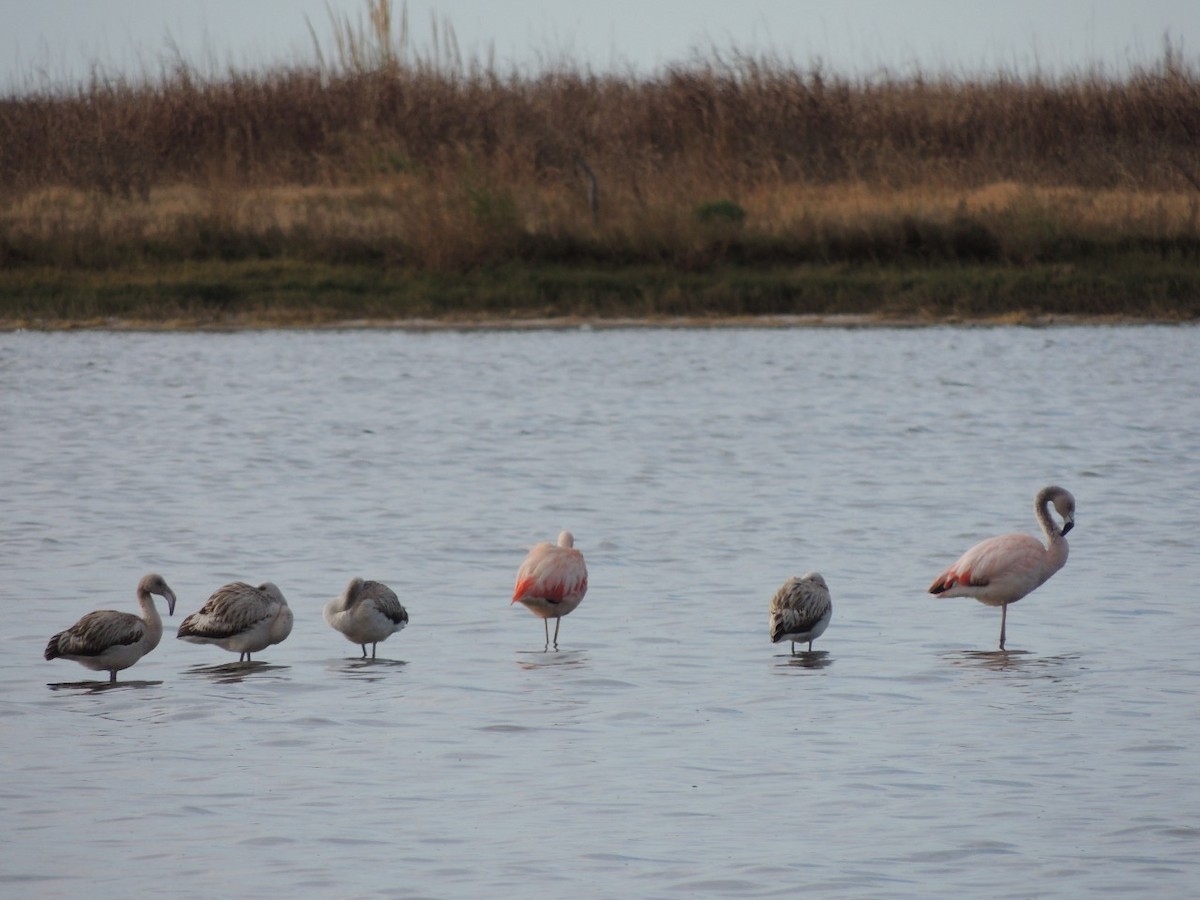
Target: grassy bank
{"x": 297, "y": 293}
{"x": 383, "y": 182}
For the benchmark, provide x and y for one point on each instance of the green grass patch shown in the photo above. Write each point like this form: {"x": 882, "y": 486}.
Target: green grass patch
{"x": 1137, "y": 286}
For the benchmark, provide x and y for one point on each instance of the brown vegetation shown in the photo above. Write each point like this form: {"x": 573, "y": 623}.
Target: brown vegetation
{"x": 426, "y": 164}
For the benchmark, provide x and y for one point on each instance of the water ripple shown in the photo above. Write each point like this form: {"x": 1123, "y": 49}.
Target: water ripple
{"x": 658, "y": 753}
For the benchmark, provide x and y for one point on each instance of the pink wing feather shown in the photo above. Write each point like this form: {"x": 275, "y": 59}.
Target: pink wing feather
{"x": 1009, "y": 566}
{"x": 552, "y": 573}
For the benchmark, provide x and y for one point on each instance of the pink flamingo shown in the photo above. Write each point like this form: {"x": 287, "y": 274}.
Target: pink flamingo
{"x": 552, "y": 581}
{"x": 1003, "y": 569}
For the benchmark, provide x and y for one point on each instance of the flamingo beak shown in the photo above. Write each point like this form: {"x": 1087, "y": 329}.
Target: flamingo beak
{"x": 170, "y": 603}
{"x": 1068, "y": 525}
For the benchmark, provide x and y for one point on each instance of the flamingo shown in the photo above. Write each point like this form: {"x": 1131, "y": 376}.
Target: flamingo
{"x": 241, "y": 619}
{"x": 1003, "y": 569}
{"x": 801, "y": 610}
{"x": 108, "y": 640}
{"x": 366, "y": 612}
{"x": 552, "y": 581}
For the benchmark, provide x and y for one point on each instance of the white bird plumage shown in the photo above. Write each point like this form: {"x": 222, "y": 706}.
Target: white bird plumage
{"x": 1003, "y": 569}
{"x": 366, "y": 612}
{"x": 552, "y": 581}
{"x": 801, "y": 610}
{"x": 241, "y": 619}
{"x": 109, "y": 640}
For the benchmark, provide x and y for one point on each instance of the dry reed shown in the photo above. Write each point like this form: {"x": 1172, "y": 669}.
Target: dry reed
{"x": 381, "y": 155}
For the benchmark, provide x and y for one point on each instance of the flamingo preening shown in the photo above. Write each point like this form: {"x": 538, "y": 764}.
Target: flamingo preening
{"x": 241, "y": 619}
{"x": 801, "y": 610}
{"x": 366, "y": 612}
{"x": 1003, "y": 569}
{"x": 552, "y": 581}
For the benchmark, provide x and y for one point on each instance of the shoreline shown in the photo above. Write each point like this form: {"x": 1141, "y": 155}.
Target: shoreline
{"x": 216, "y": 295}
{"x": 581, "y": 323}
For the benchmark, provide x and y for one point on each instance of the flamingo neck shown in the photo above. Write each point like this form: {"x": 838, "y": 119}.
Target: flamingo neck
{"x": 1056, "y": 544}
{"x": 150, "y": 615}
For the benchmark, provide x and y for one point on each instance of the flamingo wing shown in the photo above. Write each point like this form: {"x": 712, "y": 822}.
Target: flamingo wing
{"x": 97, "y": 632}
{"x": 551, "y": 573}
{"x": 1007, "y": 559}
{"x": 384, "y": 600}
{"x": 232, "y": 609}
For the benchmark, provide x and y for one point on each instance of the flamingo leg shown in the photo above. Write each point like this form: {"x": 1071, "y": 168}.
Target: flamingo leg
{"x": 364, "y": 650}
{"x": 557, "y": 622}
{"x": 1003, "y": 618}
{"x": 546, "y": 624}
{"x": 112, "y": 677}
{"x": 373, "y": 646}
{"x": 793, "y": 648}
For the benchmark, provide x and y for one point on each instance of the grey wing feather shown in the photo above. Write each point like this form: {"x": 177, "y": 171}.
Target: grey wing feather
{"x": 384, "y": 599}
{"x": 97, "y": 632}
{"x": 798, "y": 606}
{"x": 230, "y": 610}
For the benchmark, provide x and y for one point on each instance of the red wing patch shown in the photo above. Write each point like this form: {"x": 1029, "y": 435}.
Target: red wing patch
{"x": 522, "y": 589}
{"x": 953, "y": 579}
{"x": 529, "y": 587}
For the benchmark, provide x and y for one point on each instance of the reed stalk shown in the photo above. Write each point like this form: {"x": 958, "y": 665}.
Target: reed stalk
{"x": 410, "y": 159}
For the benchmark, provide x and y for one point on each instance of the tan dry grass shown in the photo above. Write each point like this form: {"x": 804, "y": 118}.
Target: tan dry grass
{"x": 446, "y": 226}
{"x": 387, "y": 155}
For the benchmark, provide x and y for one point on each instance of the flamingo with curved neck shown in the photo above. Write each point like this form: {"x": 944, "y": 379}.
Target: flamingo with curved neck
{"x": 1003, "y": 569}
{"x": 108, "y": 640}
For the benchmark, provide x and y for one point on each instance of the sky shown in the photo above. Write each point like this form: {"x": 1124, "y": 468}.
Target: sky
{"x": 61, "y": 40}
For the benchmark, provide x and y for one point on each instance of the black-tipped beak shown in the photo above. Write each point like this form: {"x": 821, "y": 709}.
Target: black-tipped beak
{"x": 170, "y": 604}
{"x": 1068, "y": 525}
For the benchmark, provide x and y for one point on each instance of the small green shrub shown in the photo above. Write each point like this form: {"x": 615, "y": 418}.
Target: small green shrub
{"x": 721, "y": 212}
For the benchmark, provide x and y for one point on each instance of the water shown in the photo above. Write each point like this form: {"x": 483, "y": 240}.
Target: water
{"x": 668, "y": 749}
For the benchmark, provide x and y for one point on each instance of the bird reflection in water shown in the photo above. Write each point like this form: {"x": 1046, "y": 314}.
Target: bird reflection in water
{"x": 367, "y": 669}
{"x": 237, "y": 672}
{"x": 94, "y": 687}
{"x": 811, "y": 659}
{"x": 570, "y": 659}
{"x": 1014, "y": 661}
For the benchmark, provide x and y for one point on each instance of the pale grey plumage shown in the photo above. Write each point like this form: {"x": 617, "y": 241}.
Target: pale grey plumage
{"x": 366, "y": 612}
{"x": 800, "y": 610}
{"x": 109, "y": 640}
{"x": 240, "y": 618}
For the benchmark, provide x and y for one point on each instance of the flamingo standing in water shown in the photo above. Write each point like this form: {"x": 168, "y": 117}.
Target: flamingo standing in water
{"x": 241, "y": 619}
{"x": 366, "y": 612}
{"x": 108, "y": 640}
{"x": 552, "y": 581}
{"x": 1003, "y": 569}
{"x": 801, "y": 610}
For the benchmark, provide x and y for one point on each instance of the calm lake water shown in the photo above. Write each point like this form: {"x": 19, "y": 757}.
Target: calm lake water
{"x": 669, "y": 749}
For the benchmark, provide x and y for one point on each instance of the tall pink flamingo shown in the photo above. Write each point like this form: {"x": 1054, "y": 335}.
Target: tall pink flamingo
{"x": 552, "y": 581}
{"x": 1003, "y": 569}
